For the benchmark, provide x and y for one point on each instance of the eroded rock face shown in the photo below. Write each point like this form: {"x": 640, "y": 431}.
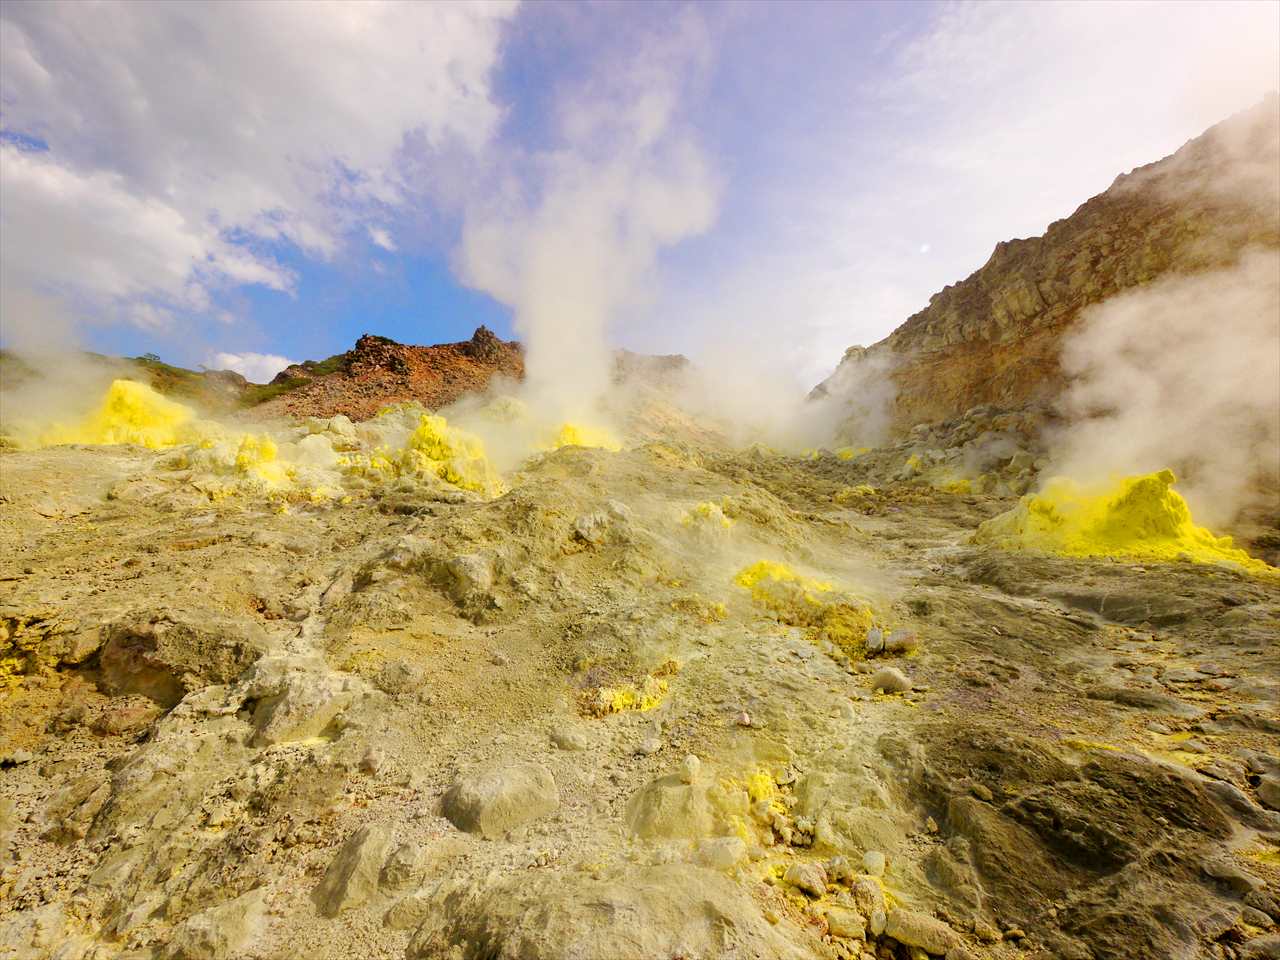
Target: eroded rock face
{"x": 352, "y": 877}
{"x": 293, "y": 701}
{"x": 637, "y": 914}
{"x": 500, "y": 798}
{"x": 164, "y": 654}
{"x": 222, "y": 931}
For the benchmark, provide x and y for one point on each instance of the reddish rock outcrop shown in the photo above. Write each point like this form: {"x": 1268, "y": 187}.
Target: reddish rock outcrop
{"x": 378, "y": 371}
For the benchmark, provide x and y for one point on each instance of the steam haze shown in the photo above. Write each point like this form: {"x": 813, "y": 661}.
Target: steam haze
{"x": 1182, "y": 374}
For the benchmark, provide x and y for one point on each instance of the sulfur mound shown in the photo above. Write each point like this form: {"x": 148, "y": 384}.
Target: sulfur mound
{"x": 582, "y": 435}
{"x": 814, "y": 604}
{"x": 131, "y": 412}
{"x": 1143, "y": 518}
{"x": 434, "y": 449}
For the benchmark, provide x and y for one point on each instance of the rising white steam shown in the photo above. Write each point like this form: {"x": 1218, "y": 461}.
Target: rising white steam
{"x": 1185, "y": 374}
{"x": 570, "y": 239}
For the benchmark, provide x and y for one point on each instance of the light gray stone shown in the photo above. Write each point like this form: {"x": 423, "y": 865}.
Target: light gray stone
{"x": 810, "y": 878}
{"x": 890, "y": 680}
{"x": 920, "y": 930}
{"x": 496, "y": 799}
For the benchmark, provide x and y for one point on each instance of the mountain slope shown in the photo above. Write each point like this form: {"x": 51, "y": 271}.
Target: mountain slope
{"x": 995, "y": 337}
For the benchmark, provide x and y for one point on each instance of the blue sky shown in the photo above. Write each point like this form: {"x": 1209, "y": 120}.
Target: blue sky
{"x": 768, "y": 183}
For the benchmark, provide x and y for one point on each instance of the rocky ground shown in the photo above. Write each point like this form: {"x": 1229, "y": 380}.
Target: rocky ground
{"x": 551, "y": 726}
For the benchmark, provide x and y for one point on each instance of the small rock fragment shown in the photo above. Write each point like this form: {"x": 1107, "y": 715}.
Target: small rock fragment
{"x": 839, "y": 868}
{"x": 869, "y": 899}
{"x": 689, "y": 769}
{"x": 372, "y": 760}
{"x": 986, "y": 932}
{"x": 873, "y": 861}
{"x": 722, "y": 853}
{"x": 403, "y": 867}
{"x": 843, "y": 922}
{"x": 569, "y": 738}
{"x": 890, "y": 680}
{"x": 875, "y": 640}
{"x": 901, "y": 642}
{"x": 808, "y": 877}
{"x": 878, "y": 923}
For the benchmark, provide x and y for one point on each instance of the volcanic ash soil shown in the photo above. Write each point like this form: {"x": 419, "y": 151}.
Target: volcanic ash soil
{"x": 552, "y": 725}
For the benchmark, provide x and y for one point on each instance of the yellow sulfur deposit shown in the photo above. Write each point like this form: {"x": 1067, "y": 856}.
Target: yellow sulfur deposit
{"x": 706, "y": 515}
{"x": 846, "y": 495}
{"x": 801, "y": 602}
{"x": 455, "y": 456}
{"x": 131, "y": 412}
{"x": 608, "y": 700}
{"x": 957, "y": 485}
{"x": 433, "y": 449}
{"x": 761, "y": 786}
{"x": 848, "y": 453}
{"x": 256, "y": 458}
{"x": 778, "y": 588}
{"x": 1143, "y": 518}
{"x": 582, "y": 435}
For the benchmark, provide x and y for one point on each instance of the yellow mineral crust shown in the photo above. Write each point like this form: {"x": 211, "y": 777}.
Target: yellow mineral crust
{"x": 706, "y": 515}
{"x": 581, "y": 435}
{"x": 1141, "y": 518}
{"x": 433, "y": 449}
{"x": 813, "y": 604}
{"x": 454, "y": 455}
{"x": 131, "y": 412}
{"x": 607, "y": 700}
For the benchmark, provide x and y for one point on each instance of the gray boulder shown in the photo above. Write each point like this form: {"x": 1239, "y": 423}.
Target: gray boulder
{"x": 499, "y": 798}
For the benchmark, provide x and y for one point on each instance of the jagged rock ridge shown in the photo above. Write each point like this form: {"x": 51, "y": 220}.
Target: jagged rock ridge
{"x": 378, "y": 371}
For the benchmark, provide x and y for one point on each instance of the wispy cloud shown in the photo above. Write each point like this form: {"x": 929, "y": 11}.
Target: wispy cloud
{"x": 381, "y": 237}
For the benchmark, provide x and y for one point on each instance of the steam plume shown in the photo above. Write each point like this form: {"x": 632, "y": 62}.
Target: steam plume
{"x": 568, "y": 241}
{"x": 1182, "y": 374}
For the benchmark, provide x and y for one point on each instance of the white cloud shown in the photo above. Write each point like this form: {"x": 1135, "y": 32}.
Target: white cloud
{"x": 87, "y": 232}
{"x": 382, "y": 238}
{"x": 254, "y": 367}
{"x": 174, "y": 127}
{"x": 992, "y": 123}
